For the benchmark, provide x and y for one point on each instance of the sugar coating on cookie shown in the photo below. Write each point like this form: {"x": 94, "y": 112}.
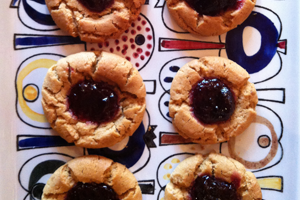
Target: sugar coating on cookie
{"x": 92, "y": 175}
{"x": 190, "y": 115}
{"x": 211, "y": 177}
{"x": 94, "y": 99}
{"x": 94, "y": 21}
{"x": 209, "y": 17}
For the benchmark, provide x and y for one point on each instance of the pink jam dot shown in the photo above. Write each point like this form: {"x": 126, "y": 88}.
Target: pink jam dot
{"x": 117, "y": 42}
{"x": 128, "y": 58}
{"x": 139, "y": 28}
{"x": 132, "y": 46}
{"x": 139, "y": 18}
{"x": 100, "y": 45}
{"x": 149, "y": 46}
{"x": 133, "y": 32}
{"x": 142, "y": 57}
{"x": 139, "y": 50}
{"x": 147, "y": 29}
{"x": 147, "y": 53}
{"x": 135, "y": 55}
{"x": 124, "y": 52}
{"x": 125, "y": 47}
{"x": 92, "y": 49}
{"x": 144, "y": 22}
{"x": 111, "y": 50}
{"x": 131, "y": 40}
{"x": 133, "y": 24}
{"x": 127, "y": 31}
{"x": 106, "y": 44}
{"x": 124, "y": 38}
{"x": 149, "y": 37}
{"x": 137, "y": 64}
{"x": 118, "y": 48}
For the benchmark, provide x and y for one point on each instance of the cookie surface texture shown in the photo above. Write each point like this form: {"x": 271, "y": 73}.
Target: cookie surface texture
{"x": 96, "y": 170}
{"x": 204, "y": 25}
{"x": 77, "y": 20}
{"x": 99, "y": 67}
{"x": 180, "y": 105}
{"x": 216, "y": 166}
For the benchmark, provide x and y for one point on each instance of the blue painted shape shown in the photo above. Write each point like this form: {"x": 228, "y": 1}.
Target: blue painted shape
{"x": 130, "y": 154}
{"x": 37, "y": 16}
{"x": 46, "y": 40}
{"x": 14, "y": 3}
{"x": 269, "y": 39}
{"x": 40, "y": 1}
{"x": 42, "y": 142}
{"x": 166, "y": 103}
{"x": 174, "y": 68}
{"x": 168, "y": 79}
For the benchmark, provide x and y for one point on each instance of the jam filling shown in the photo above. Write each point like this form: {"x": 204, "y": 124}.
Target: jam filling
{"x": 212, "y": 101}
{"x": 210, "y": 188}
{"x": 96, "y": 5}
{"x": 211, "y": 7}
{"x": 91, "y": 191}
{"x": 93, "y": 101}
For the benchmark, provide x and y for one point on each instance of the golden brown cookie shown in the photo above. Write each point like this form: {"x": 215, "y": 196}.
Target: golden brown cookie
{"x": 203, "y": 121}
{"x": 89, "y": 121}
{"x": 89, "y": 172}
{"x": 91, "y": 21}
{"x": 209, "y": 24}
{"x": 217, "y": 170}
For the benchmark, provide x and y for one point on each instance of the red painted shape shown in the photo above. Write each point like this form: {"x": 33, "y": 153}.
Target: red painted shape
{"x": 174, "y": 139}
{"x": 182, "y": 44}
{"x": 282, "y": 45}
{"x": 135, "y": 55}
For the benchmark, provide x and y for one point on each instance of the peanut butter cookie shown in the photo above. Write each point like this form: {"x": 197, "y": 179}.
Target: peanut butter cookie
{"x": 210, "y": 17}
{"x": 93, "y": 178}
{"x": 211, "y": 100}
{"x": 212, "y": 177}
{"x": 94, "y": 21}
{"x": 94, "y": 99}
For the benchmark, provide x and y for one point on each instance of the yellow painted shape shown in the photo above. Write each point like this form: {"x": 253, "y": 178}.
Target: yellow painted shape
{"x": 162, "y": 198}
{"x": 30, "y": 93}
{"x": 40, "y": 63}
{"x": 270, "y": 183}
{"x": 167, "y": 176}
{"x": 168, "y": 166}
{"x": 175, "y": 160}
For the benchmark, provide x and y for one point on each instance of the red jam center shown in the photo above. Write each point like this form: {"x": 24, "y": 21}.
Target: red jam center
{"x": 210, "y": 188}
{"x": 91, "y": 191}
{"x": 212, "y": 101}
{"x": 93, "y": 101}
{"x": 96, "y": 5}
{"x": 211, "y": 7}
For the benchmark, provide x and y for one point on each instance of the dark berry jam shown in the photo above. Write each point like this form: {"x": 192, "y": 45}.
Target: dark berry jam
{"x": 211, "y": 7}
{"x": 96, "y": 5}
{"x": 91, "y": 191}
{"x": 209, "y": 188}
{"x": 93, "y": 101}
{"x": 212, "y": 101}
